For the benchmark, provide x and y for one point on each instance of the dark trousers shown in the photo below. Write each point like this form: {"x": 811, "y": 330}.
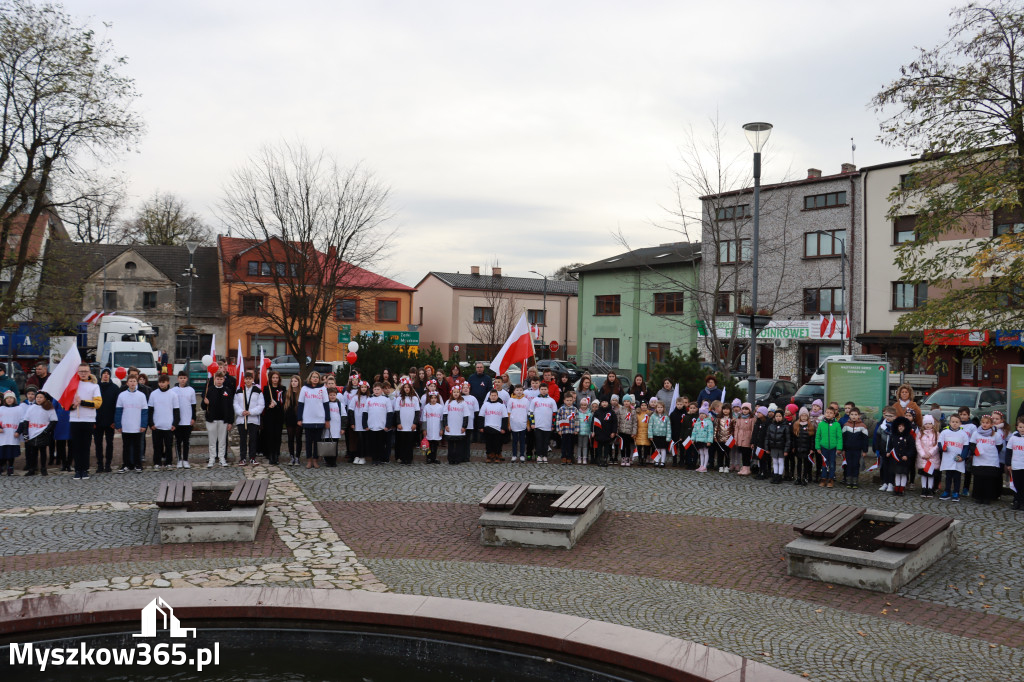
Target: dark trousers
{"x": 803, "y": 467}
{"x": 295, "y": 440}
{"x": 60, "y": 454}
{"x": 541, "y": 439}
{"x": 745, "y": 456}
{"x": 530, "y": 442}
{"x": 432, "y": 455}
{"x": 248, "y": 441}
{"x": 1017, "y": 476}
{"x": 104, "y": 454}
{"x": 376, "y": 446}
{"x": 456, "y": 449}
{"x": 519, "y": 443}
{"x": 351, "y": 442}
{"x": 568, "y": 445}
{"x": 35, "y": 458}
{"x": 163, "y": 447}
{"x": 953, "y": 479}
{"x": 852, "y": 466}
{"x": 81, "y": 438}
{"x": 492, "y": 441}
{"x": 405, "y": 444}
{"x": 182, "y": 434}
{"x": 313, "y": 435}
{"x": 131, "y": 444}
{"x": 604, "y": 452}
{"x": 627, "y": 447}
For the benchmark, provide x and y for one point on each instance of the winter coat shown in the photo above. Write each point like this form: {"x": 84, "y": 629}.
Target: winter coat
{"x": 743, "y": 428}
{"x": 912, "y": 412}
{"x": 903, "y": 444}
{"x": 665, "y": 398}
{"x": 828, "y": 436}
{"x": 777, "y": 436}
{"x": 855, "y": 437}
{"x": 608, "y": 421}
{"x": 723, "y": 429}
{"x": 660, "y": 426}
{"x": 757, "y": 437}
{"x": 703, "y": 430}
{"x": 105, "y": 412}
{"x": 802, "y": 441}
{"x": 928, "y": 451}
{"x": 626, "y": 421}
{"x": 679, "y": 421}
{"x": 643, "y": 421}
{"x": 641, "y": 393}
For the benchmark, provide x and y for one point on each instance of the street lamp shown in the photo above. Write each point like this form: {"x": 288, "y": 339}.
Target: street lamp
{"x": 543, "y": 328}
{"x": 192, "y": 246}
{"x": 842, "y": 243}
{"x": 757, "y": 135}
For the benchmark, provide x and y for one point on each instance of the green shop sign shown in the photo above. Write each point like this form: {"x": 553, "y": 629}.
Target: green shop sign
{"x": 776, "y": 329}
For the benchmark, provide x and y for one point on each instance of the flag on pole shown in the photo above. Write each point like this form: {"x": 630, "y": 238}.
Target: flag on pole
{"x": 846, "y": 326}
{"x": 517, "y": 348}
{"x": 687, "y": 443}
{"x": 91, "y": 317}
{"x": 810, "y": 457}
{"x": 261, "y": 378}
{"x": 62, "y": 384}
{"x": 831, "y": 325}
{"x": 731, "y": 442}
{"x": 240, "y": 365}
{"x": 892, "y": 453}
{"x": 822, "y": 325}
{"x": 759, "y": 452}
{"x": 927, "y": 468}
{"x": 675, "y": 397}
{"x": 213, "y": 352}
{"x": 874, "y": 467}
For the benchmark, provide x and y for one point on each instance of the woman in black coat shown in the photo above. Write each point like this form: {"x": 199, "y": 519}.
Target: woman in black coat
{"x": 272, "y": 419}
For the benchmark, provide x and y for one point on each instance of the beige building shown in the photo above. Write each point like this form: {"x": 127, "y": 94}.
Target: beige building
{"x": 477, "y": 312}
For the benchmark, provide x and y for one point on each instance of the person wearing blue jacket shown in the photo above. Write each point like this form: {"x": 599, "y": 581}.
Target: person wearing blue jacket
{"x": 61, "y": 436}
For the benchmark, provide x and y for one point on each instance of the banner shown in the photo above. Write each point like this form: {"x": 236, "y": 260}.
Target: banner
{"x": 864, "y": 383}
{"x": 1014, "y": 393}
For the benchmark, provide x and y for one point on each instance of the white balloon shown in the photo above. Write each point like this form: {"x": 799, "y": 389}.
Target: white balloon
{"x": 353, "y": 346}
{"x": 207, "y": 360}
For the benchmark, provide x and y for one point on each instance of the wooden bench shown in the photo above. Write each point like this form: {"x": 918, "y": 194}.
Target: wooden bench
{"x": 249, "y": 493}
{"x": 832, "y": 522}
{"x": 174, "y": 494}
{"x": 504, "y": 496}
{"x": 914, "y": 532}
{"x": 577, "y": 499}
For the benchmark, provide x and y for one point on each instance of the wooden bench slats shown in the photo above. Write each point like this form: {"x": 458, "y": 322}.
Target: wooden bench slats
{"x": 577, "y": 499}
{"x": 831, "y": 522}
{"x": 174, "y": 494}
{"x": 505, "y": 495}
{"x": 249, "y": 493}
{"x": 914, "y": 532}
{"x": 187, "y": 497}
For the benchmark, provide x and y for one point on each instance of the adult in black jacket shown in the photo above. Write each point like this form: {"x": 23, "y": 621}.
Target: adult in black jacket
{"x": 272, "y": 419}
{"x": 105, "y": 421}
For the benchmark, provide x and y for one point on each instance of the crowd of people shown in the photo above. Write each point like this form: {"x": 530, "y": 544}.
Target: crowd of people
{"x": 633, "y": 425}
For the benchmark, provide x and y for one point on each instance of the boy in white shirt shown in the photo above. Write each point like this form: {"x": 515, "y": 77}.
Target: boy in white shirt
{"x": 954, "y": 443}
{"x": 378, "y": 416}
{"x": 519, "y": 417}
{"x": 131, "y": 417}
{"x": 186, "y": 418}
{"x": 163, "y": 417}
{"x": 543, "y": 409}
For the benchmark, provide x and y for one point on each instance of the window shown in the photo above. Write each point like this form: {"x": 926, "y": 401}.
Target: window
{"x": 130, "y": 267}
{"x": 828, "y": 245}
{"x": 606, "y": 305}
{"x": 1009, "y": 296}
{"x": 273, "y": 346}
{"x": 188, "y": 345}
{"x": 903, "y": 229}
{"x": 908, "y": 296}
{"x": 734, "y": 251}
{"x": 1007, "y": 222}
{"x": 733, "y": 212}
{"x": 280, "y": 268}
{"x": 829, "y": 300}
{"x": 387, "y": 310}
{"x": 829, "y": 200}
{"x": 109, "y": 301}
{"x": 148, "y": 300}
{"x": 607, "y": 350}
{"x": 252, "y": 305}
{"x": 483, "y": 315}
{"x": 537, "y": 317}
{"x": 726, "y": 301}
{"x": 346, "y": 309}
{"x": 254, "y": 268}
{"x": 265, "y": 269}
{"x": 669, "y": 303}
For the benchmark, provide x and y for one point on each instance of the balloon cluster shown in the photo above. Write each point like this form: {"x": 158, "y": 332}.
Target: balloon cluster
{"x": 352, "y": 357}
{"x": 209, "y": 364}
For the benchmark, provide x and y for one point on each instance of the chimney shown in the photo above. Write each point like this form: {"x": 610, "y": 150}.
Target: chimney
{"x": 848, "y": 168}
{"x": 474, "y": 269}
{"x": 813, "y": 173}
{"x": 496, "y": 272}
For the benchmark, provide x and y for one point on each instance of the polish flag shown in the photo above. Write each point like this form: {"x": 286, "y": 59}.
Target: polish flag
{"x": 831, "y": 325}
{"x": 518, "y": 348}
{"x": 822, "y": 325}
{"x": 892, "y": 453}
{"x": 91, "y": 317}
{"x": 927, "y": 468}
{"x": 810, "y": 457}
{"x": 873, "y": 467}
{"x": 261, "y": 378}
{"x": 62, "y": 383}
{"x": 759, "y": 452}
{"x": 846, "y": 326}
{"x": 240, "y": 365}
{"x": 731, "y": 442}
{"x": 687, "y": 443}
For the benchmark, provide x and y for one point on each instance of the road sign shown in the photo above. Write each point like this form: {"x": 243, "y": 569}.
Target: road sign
{"x": 455, "y": 348}
{"x": 345, "y": 333}
{"x": 553, "y": 346}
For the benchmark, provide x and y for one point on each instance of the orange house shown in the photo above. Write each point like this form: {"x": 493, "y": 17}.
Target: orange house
{"x": 252, "y": 270}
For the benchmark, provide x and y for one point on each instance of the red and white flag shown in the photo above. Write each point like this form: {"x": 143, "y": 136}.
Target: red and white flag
{"x": 687, "y": 443}
{"x": 846, "y": 326}
{"x": 240, "y": 365}
{"x": 213, "y": 352}
{"x": 831, "y": 325}
{"x": 731, "y": 442}
{"x": 759, "y": 452}
{"x": 261, "y": 378}
{"x": 927, "y": 468}
{"x": 62, "y": 384}
{"x": 822, "y": 325}
{"x": 892, "y": 453}
{"x": 518, "y": 348}
{"x": 92, "y": 317}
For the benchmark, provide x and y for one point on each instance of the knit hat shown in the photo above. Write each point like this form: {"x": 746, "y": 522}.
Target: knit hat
{"x": 10, "y": 394}
{"x": 773, "y": 408}
{"x": 762, "y": 410}
{"x": 653, "y": 401}
{"x": 627, "y": 398}
{"x": 803, "y": 412}
{"x": 584, "y": 401}
{"x": 106, "y": 370}
{"x": 736, "y": 402}
{"x": 615, "y": 397}
{"x": 747, "y": 405}
{"x": 706, "y": 406}
{"x": 928, "y": 419}
{"x": 817, "y": 403}
{"x": 704, "y": 409}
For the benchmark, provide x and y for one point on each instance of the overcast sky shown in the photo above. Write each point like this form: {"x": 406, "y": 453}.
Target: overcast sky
{"x": 523, "y": 132}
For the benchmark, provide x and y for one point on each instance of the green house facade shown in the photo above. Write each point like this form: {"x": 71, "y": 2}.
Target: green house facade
{"x": 636, "y": 306}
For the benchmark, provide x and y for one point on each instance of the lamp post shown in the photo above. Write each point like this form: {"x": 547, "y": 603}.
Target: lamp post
{"x": 757, "y": 135}
{"x": 842, "y": 324}
{"x": 192, "y": 246}
{"x": 543, "y": 328}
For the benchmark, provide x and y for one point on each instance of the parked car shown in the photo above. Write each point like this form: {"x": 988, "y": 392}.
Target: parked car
{"x": 197, "y": 374}
{"x": 768, "y": 391}
{"x": 807, "y": 394}
{"x": 596, "y": 380}
{"x": 560, "y": 367}
{"x": 287, "y": 365}
{"x": 979, "y": 400}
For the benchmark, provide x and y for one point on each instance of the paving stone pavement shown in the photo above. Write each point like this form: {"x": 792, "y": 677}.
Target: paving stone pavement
{"x": 827, "y": 644}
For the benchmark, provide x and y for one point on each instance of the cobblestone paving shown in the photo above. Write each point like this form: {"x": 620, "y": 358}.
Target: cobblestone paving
{"x": 74, "y": 532}
{"x": 60, "y": 489}
{"x": 827, "y": 644}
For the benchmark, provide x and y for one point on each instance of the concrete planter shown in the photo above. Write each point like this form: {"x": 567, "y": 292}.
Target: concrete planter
{"x": 884, "y": 570}
{"x": 237, "y": 525}
{"x": 502, "y": 529}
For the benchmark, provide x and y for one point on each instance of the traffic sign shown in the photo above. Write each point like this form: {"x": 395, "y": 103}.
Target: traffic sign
{"x": 455, "y": 348}
{"x": 553, "y": 346}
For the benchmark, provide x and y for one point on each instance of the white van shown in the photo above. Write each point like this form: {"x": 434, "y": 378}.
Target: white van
{"x": 130, "y": 354}
{"x": 819, "y": 374}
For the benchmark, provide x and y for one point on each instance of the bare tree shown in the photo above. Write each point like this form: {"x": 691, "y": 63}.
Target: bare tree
{"x": 165, "y": 220}
{"x": 90, "y": 207}
{"x": 498, "y": 316}
{"x": 64, "y": 102}
{"x": 564, "y": 273}
{"x": 321, "y": 229}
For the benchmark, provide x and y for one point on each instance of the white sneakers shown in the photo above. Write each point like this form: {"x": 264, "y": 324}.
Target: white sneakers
{"x": 359, "y": 460}
{"x": 185, "y": 465}
{"x": 886, "y": 487}
{"x": 223, "y": 462}
{"x": 181, "y": 464}
{"x": 209, "y": 465}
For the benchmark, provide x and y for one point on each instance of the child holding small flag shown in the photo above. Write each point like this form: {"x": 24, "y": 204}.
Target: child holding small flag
{"x": 954, "y": 443}
{"x": 586, "y": 422}
{"x": 884, "y": 431}
{"x": 828, "y": 439}
{"x": 643, "y": 438}
{"x": 724, "y": 439}
{"x": 703, "y": 435}
{"x": 928, "y": 455}
{"x": 903, "y": 453}
{"x": 681, "y": 425}
{"x": 605, "y": 428}
{"x": 567, "y": 419}
{"x": 660, "y": 429}
{"x": 777, "y": 440}
{"x": 855, "y": 444}
{"x": 744, "y": 431}
{"x": 803, "y": 447}
{"x": 757, "y": 442}
{"x": 626, "y": 420}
